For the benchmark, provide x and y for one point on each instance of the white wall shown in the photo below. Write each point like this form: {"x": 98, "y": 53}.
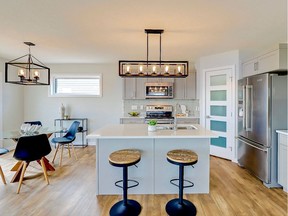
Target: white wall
{"x": 99, "y": 111}
{"x": 11, "y": 103}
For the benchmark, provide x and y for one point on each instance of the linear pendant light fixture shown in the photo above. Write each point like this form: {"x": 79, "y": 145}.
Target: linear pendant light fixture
{"x": 27, "y": 72}
{"x": 148, "y": 68}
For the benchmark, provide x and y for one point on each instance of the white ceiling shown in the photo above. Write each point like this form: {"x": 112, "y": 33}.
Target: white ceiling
{"x": 105, "y": 31}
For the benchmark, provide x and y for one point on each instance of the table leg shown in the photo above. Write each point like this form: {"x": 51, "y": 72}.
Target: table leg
{"x": 49, "y": 167}
{"x": 17, "y": 175}
{"x": 16, "y": 166}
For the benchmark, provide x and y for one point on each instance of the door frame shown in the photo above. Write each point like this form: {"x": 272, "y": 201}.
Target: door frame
{"x": 233, "y": 104}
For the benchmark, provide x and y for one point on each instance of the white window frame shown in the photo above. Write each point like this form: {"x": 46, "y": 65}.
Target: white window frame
{"x": 51, "y": 89}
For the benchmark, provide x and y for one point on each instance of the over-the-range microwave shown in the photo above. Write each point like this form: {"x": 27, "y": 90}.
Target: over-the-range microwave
{"x": 159, "y": 90}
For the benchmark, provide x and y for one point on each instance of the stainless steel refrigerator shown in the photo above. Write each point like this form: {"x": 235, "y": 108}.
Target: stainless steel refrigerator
{"x": 262, "y": 108}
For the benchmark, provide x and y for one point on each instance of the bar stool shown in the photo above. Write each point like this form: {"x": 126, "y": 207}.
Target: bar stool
{"x": 180, "y": 206}
{"x": 125, "y": 158}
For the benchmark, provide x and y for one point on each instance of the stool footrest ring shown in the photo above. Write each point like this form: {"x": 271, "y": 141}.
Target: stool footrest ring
{"x": 129, "y": 180}
{"x": 191, "y": 184}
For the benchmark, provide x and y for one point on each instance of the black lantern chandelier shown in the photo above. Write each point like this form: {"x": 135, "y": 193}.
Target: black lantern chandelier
{"x": 148, "y": 68}
{"x": 27, "y": 72}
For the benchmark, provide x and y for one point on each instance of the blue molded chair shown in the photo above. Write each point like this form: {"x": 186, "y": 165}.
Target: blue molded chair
{"x": 32, "y": 148}
{"x": 68, "y": 138}
{"x": 3, "y": 151}
{"x": 33, "y": 122}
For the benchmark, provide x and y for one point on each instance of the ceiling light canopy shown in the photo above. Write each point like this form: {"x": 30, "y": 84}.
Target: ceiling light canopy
{"x": 25, "y": 71}
{"x": 142, "y": 68}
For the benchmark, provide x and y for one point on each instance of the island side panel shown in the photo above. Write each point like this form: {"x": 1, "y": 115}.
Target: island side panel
{"x": 165, "y": 171}
{"x": 107, "y": 174}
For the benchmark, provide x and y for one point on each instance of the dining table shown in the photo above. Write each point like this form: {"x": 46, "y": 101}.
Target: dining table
{"x": 16, "y": 134}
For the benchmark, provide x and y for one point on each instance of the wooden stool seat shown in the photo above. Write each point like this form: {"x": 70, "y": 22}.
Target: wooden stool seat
{"x": 125, "y": 157}
{"x": 182, "y": 156}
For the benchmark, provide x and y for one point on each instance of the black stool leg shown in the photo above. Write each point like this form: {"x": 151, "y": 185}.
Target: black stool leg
{"x": 125, "y": 185}
{"x": 180, "y": 206}
{"x": 125, "y": 207}
{"x": 181, "y": 177}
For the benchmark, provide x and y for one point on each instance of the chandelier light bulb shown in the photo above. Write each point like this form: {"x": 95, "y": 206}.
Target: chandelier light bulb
{"x": 36, "y": 75}
{"x": 166, "y": 69}
{"x": 21, "y": 73}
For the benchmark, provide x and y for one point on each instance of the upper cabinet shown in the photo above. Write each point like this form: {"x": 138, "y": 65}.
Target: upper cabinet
{"x": 273, "y": 60}
{"x": 184, "y": 88}
{"x": 134, "y": 88}
{"x": 190, "y": 86}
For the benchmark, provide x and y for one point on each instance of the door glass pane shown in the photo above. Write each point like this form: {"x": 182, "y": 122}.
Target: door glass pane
{"x": 220, "y": 142}
{"x": 218, "y": 110}
{"x": 218, "y": 95}
{"x": 218, "y": 126}
{"x": 218, "y": 80}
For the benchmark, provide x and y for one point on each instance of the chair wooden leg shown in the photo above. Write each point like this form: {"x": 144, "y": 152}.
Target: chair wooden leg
{"x": 55, "y": 152}
{"x": 61, "y": 156}
{"x": 44, "y": 170}
{"x": 22, "y": 176}
{"x": 68, "y": 146}
{"x": 2, "y": 175}
{"x": 75, "y": 155}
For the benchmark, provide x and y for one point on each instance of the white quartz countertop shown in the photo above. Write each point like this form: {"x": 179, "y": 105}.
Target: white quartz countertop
{"x": 125, "y": 131}
{"x": 285, "y": 132}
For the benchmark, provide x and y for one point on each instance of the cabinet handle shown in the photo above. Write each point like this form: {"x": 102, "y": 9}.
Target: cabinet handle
{"x": 256, "y": 66}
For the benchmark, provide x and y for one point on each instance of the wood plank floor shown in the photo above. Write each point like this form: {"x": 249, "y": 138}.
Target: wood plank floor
{"x": 233, "y": 191}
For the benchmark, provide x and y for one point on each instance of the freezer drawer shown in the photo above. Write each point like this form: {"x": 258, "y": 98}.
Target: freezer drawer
{"x": 254, "y": 158}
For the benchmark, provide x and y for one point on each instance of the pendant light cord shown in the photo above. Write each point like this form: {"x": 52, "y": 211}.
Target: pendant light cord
{"x": 147, "y": 48}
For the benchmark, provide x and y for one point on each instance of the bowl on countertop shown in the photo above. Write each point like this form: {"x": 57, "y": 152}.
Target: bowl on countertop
{"x": 134, "y": 114}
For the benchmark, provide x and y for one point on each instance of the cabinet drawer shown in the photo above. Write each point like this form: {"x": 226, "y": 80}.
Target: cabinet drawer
{"x": 187, "y": 120}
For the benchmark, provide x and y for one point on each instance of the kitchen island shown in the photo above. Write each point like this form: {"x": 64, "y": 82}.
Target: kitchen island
{"x": 153, "y": 172}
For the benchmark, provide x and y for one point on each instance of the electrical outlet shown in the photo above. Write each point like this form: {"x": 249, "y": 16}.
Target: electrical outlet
{"x": 134, "y": 107}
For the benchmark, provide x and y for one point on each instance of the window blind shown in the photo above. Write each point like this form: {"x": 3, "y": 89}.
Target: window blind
{"x": 77, "y": 86}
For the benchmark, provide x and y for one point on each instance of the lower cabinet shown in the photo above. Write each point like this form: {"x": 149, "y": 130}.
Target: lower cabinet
{"x": 130, "y": 120}
{"x": 282, "y": 160}
{"x": 187, "y": 120}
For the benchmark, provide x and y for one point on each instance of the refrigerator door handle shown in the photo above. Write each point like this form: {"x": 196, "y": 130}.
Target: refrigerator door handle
{"x": 264, "y": 150}
{"x": 244, "y": 107}
{"x": 248, "y": 107}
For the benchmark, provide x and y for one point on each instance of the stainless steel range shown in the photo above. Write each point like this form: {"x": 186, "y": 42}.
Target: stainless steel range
{"x": 161, "y": 113}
